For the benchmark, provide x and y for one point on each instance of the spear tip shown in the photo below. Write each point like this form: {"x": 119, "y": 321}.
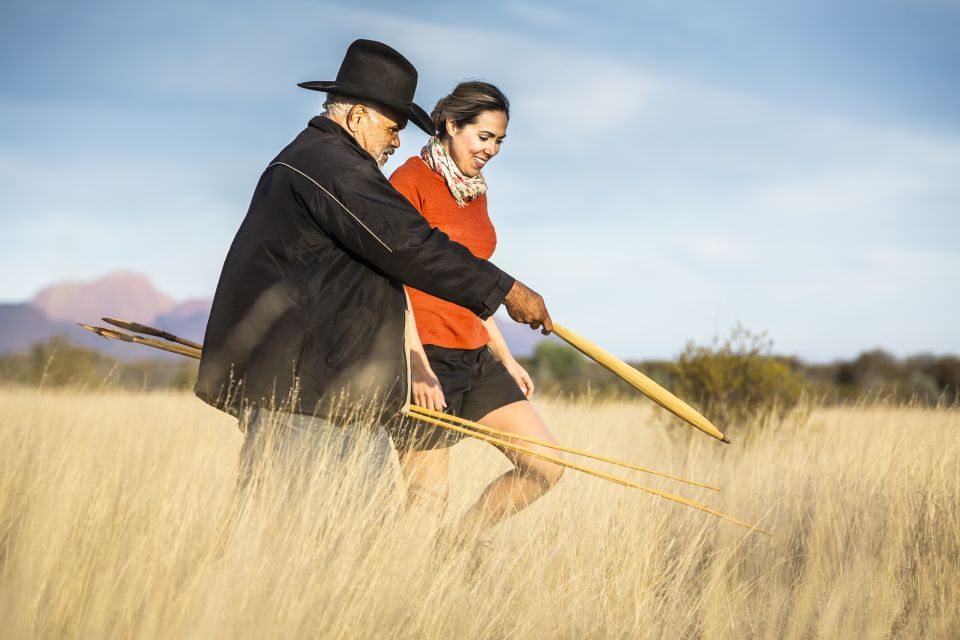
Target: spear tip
{"x": 117, "y": 323}
{"x": 725, "y": 440}
{"x": 95, "y": 330}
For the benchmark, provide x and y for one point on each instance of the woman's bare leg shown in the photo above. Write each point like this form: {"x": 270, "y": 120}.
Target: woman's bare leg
{"x": 426, "y": 475}
{"x": 528, "y": 480}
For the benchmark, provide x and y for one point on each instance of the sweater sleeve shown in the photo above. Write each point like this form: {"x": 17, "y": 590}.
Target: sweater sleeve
{"x": 408, "y": 188}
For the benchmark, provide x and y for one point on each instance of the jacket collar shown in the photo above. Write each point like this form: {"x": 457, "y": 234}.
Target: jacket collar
{"x": 327, "y": 125}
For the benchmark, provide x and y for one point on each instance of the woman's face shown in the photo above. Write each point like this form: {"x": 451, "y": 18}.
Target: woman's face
{"x": 473, "y": 145}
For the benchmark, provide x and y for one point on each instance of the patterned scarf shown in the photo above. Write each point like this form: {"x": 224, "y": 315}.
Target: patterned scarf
{"x": 462, "y": 188}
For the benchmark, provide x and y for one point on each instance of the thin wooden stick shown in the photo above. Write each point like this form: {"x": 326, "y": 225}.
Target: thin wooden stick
{"x": 640, "y": 382}
{"x": 577, "y": 467}
{"x": 156, "y": 344}
{"x": 585, "y": 454}
{"x": 604, "y": 358}
{"x": 136, "y": 327}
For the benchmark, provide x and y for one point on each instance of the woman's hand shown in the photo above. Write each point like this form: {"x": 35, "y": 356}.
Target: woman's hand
{"x": 426, "y": 387}
{"x": 520, "y": 375}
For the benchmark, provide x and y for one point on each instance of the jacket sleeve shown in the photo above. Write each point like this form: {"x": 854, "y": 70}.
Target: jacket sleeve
{"x": 373, "y": 220}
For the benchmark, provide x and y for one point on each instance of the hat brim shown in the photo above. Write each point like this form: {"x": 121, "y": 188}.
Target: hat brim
{"x": 411, "y": 110}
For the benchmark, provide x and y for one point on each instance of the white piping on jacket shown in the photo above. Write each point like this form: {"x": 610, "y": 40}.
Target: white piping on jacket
{"x": 408, "y": 326}
{"x": 335, "y": 200}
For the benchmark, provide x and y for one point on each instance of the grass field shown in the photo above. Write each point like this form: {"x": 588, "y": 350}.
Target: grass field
{"x": 118, "y": 518}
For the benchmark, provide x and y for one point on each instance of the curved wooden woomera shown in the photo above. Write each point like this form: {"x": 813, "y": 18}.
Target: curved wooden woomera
{"x": 640, "y": 382}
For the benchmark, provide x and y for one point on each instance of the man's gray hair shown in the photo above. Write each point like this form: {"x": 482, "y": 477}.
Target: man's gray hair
{"x": 337, "y": 106}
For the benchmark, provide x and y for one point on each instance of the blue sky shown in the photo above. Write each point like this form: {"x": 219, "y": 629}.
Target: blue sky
{"x": 671, "y": 168}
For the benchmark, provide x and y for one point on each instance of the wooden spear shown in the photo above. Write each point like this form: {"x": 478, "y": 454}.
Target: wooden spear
{"x": 588, "y": 471}
{"x": 103, "y": 332}
{"x": 136, "y": 327}
{"x": 193, "y": 350}
{"x": 586, "y": 454}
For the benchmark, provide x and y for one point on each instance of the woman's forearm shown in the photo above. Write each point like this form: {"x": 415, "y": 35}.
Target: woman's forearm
{"x": 497, "y": 345}
{"x": 418, "y": 357}
{"x": 425, "y": 388}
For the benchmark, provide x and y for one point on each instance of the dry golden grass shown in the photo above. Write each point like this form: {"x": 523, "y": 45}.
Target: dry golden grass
{"x": 118, "y": 518}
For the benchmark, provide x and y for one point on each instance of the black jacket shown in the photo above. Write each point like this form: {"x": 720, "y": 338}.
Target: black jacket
{"x": 310, "y": 301}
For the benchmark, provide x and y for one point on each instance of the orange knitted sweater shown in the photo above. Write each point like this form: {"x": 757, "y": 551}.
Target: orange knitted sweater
{"x": 440, "y": 322}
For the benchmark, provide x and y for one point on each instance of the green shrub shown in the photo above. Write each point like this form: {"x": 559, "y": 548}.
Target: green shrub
{"x": 559, "y": 369}
{"x": 558, "y": 363}
{"x": 738, "y": 380}
{"x": 60, "y": 363}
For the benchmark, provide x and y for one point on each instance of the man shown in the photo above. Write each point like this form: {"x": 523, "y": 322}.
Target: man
{"x": 310, "y": 305}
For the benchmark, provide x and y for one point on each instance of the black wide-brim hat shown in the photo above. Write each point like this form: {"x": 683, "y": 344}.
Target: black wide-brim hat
{"x": 372, "y": 70}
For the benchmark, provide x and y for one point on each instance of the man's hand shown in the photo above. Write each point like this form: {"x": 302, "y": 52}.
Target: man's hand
{"x": 526, "y": 307}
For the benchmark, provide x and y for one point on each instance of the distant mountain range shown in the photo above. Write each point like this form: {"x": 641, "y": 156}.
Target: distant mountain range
{"x": 56, "y": 309}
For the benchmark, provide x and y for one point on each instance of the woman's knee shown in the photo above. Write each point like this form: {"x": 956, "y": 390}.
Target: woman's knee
{"x": 546, "y": 474}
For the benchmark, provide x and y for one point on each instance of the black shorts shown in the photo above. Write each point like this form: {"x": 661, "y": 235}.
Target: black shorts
{"x": 474, "y": 383}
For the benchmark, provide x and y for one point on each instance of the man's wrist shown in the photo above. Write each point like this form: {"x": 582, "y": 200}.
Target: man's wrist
{"x": 512, "y": 293}
{"x": 496, "y": 297}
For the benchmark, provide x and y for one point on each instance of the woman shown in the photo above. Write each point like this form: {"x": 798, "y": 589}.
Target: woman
{"x": 458, "y": 362}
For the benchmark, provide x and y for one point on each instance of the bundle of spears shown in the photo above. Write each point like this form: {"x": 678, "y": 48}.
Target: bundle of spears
{"x": 174, "y": 344}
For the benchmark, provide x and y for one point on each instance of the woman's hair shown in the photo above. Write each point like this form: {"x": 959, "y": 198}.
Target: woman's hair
{"x": 467, "y": 101}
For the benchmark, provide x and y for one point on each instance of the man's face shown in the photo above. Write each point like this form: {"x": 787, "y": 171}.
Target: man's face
{"x": 378, "y": 131}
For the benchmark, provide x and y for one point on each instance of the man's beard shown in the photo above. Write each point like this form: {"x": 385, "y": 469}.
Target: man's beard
{"x": 384, "y": 156}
